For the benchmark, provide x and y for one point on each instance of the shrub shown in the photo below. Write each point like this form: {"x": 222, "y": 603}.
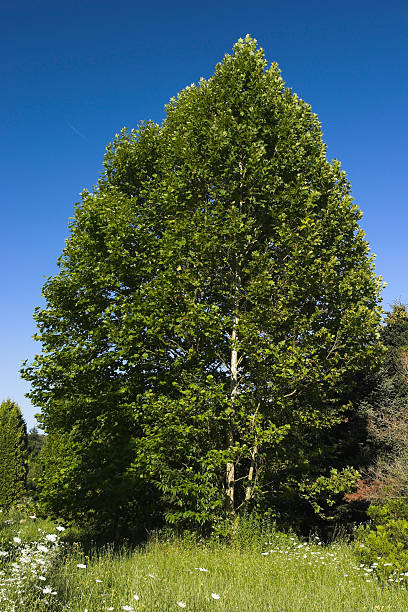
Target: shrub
{"x": 383, "y": 544}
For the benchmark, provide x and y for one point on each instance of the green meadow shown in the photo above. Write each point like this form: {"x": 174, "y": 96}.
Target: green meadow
{"x": 44, "y": 569}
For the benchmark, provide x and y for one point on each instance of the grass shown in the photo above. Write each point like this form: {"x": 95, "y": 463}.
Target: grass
{"x": 289, "y": 579}
{"x": 280, "y": 574}
{"x": 21, "y": 522}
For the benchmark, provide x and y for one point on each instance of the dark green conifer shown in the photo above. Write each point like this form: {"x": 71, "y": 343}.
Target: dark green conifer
{"x": 387, "y": 411}
{"x": 13, "y": 454}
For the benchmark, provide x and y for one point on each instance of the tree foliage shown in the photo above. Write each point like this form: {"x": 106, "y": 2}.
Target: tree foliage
{"x": 215, "y": 306}
{"x": 35, "y": 444}
{"x": 13, "y": 454}
{"x": 386, "y": 407}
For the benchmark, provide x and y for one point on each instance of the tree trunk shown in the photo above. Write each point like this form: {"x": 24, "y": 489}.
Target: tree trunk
{"x": 251, "y": 482}
{"x": 230, "y": 474}
{"x": 236, "y": 289}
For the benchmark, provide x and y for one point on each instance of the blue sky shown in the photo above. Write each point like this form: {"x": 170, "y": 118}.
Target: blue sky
{"x": 73, "y": 73}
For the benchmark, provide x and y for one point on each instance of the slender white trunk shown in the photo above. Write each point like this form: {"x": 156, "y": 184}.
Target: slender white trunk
{"x": 230, "y": 474}
{"x": 249, "y": 491}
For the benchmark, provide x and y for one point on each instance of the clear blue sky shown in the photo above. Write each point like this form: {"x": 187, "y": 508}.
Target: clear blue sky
{"x": 74, "y": 73}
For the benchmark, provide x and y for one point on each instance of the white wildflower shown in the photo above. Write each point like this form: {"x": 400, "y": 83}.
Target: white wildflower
{"x": 17, "y": 540}
{"x": 181, "y": 604}
{"x": 42, "y": 548}
{"x": 215, "y": 595}
{"x": 51, "y": 537}
{"x": 81, "y": 565}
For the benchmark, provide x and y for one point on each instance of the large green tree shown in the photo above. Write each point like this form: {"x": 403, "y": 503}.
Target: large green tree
{"x": 215, "y": 307}
{"x": 13, "y": 454}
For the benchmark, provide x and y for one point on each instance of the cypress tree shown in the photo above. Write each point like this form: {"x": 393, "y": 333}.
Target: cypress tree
{"x": 13, "y": 454}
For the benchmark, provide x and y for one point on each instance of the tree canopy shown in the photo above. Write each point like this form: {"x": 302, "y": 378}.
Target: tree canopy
{"x": 215, "y": 307}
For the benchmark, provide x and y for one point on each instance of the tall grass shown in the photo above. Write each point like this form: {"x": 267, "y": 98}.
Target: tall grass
{"x": 279, "y": 574}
